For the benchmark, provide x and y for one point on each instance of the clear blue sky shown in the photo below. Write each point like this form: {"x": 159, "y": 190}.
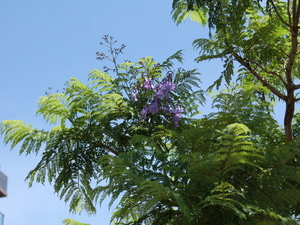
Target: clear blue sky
{"x": 45, "y": 43}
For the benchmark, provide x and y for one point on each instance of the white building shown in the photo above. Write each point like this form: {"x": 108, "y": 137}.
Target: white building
{"x": 3, "y": 184}
{"x": 3, "y": 193}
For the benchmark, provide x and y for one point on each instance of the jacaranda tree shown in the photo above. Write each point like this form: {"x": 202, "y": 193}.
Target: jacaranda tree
{"x": 132, "y": 135}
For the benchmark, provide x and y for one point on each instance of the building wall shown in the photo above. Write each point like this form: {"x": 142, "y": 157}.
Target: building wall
{"x": 3, "y": 184}
{"x": 3, "y": 188}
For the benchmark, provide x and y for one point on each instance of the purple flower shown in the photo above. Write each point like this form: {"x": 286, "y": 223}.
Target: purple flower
{"x": 154, "y": 107}
{"x": 179, "y": 109}
{"x": 169, "y": 86}
{"x": 167, "y": 109}
{"x": 144, "y": 113}
{"x": 176, "y": 118}
{"x": 159, "y": 93}
{"x": 163, "y": 89}
{"x": 133, "y": 95}
{"x": 177, "y": 115}
{"x": 148, "y": 84}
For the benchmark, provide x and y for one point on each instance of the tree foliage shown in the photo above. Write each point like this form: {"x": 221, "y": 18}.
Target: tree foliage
{"x": 73, "y": 222}
{"x": 262, "y": 37}
{"x": 131, "y": 135}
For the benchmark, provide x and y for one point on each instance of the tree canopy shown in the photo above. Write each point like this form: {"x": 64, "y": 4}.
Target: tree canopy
{"x": 133, "y": 134}
{"x": 262, "y": 37}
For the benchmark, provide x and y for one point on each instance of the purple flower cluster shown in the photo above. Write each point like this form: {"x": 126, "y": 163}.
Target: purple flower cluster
{"x": 148, "y": 84}
{"x": 163, "y": 89}
{"x": 133, "y": 95}
{"x": 177, "y": 115}
{"x": 161, "y": 99}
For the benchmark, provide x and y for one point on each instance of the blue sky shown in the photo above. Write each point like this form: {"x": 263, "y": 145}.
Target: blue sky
{"x": 45, "y": 43}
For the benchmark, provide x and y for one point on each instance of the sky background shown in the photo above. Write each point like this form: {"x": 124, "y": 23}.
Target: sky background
{"x": 43, "y": 44}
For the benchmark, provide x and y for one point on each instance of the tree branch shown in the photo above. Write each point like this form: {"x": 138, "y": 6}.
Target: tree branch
{"x": 279, "y": 16}
{"x": 288, "y": 12}
{"x": 292, "y": 56}
{"x": 294, "y": 12}
{"x": 286, "y": 54}
{"x": 296, "y": 87}
{"x": 258, "y": 76}
{"x": 297, "y": 14}
{"x": 270, "y": 72}
{"x": 116, "y": 153}
{"x": 108, "y": 148}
